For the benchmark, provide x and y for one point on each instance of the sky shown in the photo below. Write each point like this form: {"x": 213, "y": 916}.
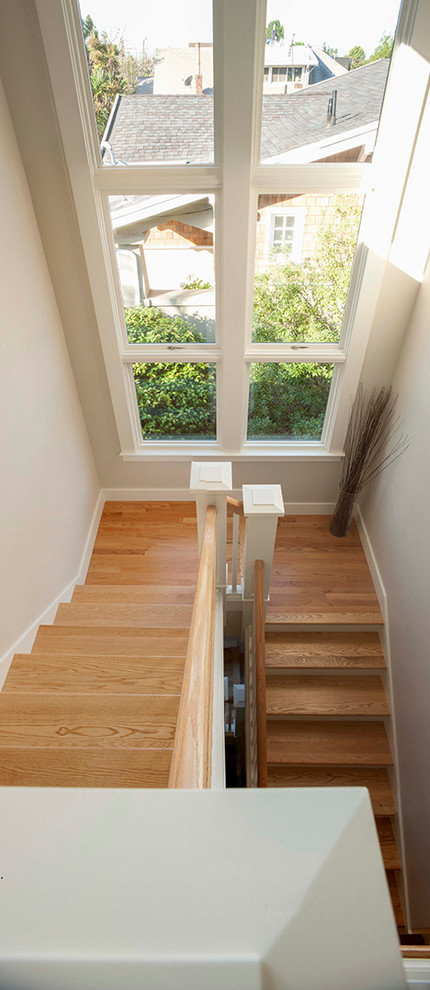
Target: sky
{"x": 173, "y": 23}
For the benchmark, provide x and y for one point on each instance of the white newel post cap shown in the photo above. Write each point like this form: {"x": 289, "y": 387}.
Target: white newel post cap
{"x": 211, "y": 476}
{"x": 263, "y": 500}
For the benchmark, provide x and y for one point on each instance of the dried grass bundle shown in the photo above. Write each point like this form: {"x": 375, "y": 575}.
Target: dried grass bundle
{"x": 373, "y": 442}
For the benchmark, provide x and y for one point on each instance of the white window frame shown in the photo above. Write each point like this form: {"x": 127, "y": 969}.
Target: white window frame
{"x": 236, "y": 179}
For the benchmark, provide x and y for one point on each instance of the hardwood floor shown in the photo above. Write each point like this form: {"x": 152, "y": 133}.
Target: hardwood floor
{"x": 317, "y": 578}
{"x": 95, "y": 703}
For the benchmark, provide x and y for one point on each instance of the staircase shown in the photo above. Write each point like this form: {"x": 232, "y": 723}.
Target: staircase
{"x": 95, "y": 703}
{"x": 326, "y": 705}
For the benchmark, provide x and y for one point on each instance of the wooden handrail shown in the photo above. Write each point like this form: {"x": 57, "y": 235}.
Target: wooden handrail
{"x": 235, "y": 506}
{"x": 191, "y": 758}
{"x": 260, "y": 672}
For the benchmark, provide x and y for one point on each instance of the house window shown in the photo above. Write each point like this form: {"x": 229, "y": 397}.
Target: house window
{"x": 146, "y": 212}
{"x": 294, "y": 74}
{"x": 284, "y": 232}
{"x": 279, "y": 74}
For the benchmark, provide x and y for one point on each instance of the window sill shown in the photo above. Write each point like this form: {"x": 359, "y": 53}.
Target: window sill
{"x": 250, "y": 452}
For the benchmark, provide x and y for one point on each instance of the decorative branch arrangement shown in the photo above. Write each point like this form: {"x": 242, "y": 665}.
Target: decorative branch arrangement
{"x": 373, "y": 442}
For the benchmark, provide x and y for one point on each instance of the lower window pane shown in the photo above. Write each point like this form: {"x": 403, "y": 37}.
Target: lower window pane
{"x": 176, "y": 401}
{"x": 288, "y": 401}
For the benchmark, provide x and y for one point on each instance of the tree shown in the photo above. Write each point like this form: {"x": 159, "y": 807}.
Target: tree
{"x": 305, "y": 302}
{"x": 133, "y": 65}
{"x": 300, "y": 303}
{"x": 292, "y": 302}
{"x": 357, "y": 56}
{"x": 104, "y": 63}
{"x": 330, "y": 51}
{"x": 274, "y": 31}
{"x": 383, "y": 48}
{"x": 174, "y": 399}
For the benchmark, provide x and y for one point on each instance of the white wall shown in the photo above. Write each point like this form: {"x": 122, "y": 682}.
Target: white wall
{"x": 49, "y": 484}
{"x": 396, "y": 514}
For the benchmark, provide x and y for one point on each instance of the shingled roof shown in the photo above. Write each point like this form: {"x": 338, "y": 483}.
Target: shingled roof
{"x": 179, "y": 129}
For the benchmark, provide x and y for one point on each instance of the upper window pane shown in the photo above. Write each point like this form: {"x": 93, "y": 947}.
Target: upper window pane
{"x": 165, "y": 255}
{"x": 304, "y": 254}
{"x": 323, "y": 103}
{"x": 151, "y": 72}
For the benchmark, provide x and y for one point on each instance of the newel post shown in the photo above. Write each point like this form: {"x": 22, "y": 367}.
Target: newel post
{"x": 211, "y": 482}
{"x": 262, "y": 506}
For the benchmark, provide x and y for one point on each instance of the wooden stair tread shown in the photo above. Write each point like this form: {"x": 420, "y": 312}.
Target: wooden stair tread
{"x": 318, "y": 615}
{"x": 329, "y": 743}
{"x": 37, "y": 673}
{"x": 309, "y": 695}
{"x": 134, "y": 594}
{"x": 390, "y": 853}
{"x": 84, "y": 767}
{"x": 415, "y": 951}
{"x": 78, "y": 641}
{"x": 324, "y": 649}
{"x": 124, "y": 614}
{"x": 375, "y": 779}
{"x": 86, "y": 720}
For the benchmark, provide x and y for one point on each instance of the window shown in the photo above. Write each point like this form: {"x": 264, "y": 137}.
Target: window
{"x": 182, "y": 244}
{"x": 284, "y": 231}
{"x": 295, "y": 74}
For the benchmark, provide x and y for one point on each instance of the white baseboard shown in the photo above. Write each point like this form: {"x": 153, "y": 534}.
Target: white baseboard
{"x": 25, "y": 642}
{"x": 372, "y": 563}
{"x": 309, "y": 508}
{"x": 383, "y": 603}
{"x": 155, "y": 494}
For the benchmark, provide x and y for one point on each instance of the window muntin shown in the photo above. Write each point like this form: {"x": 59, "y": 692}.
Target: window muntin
{"x": 288, "y": 402}
{"x": 304, "y": 255}
{"x": 165, "y": 256}
{"x": 176, "y": 401}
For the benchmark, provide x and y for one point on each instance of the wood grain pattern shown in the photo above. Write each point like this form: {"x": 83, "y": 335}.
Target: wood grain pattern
{"x": 331, "y": 743}
{"x": 234, "y": 505}
{"x": 98, "y": 641}
{"x": 317, "y": 578}
{"x": 393, "y": 880}
{"x": 39, "y": 674}
{"x": 124, "y": 614}
{"x": 375, "y": 779}
{"x": 134, "y": 594}
{"x": 147, "y": 543}
{"x": 312, "y": 696}
{"x": 323, "y": 650}
{"x": 137, "y": 722}
{"x": 388, "y": 844}
{"x": 260, "y": 672}
{"x": 415, "y": 951}
{"x": 83, "y": 767}
{"x": 191, "y": 759}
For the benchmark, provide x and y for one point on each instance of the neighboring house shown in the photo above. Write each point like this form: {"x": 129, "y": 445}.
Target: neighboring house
{"x": 294, "y": 128}
{"x": 176, "y": 69}
{"x": 287, "y": 68}
{"x": 163, "y": 243}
